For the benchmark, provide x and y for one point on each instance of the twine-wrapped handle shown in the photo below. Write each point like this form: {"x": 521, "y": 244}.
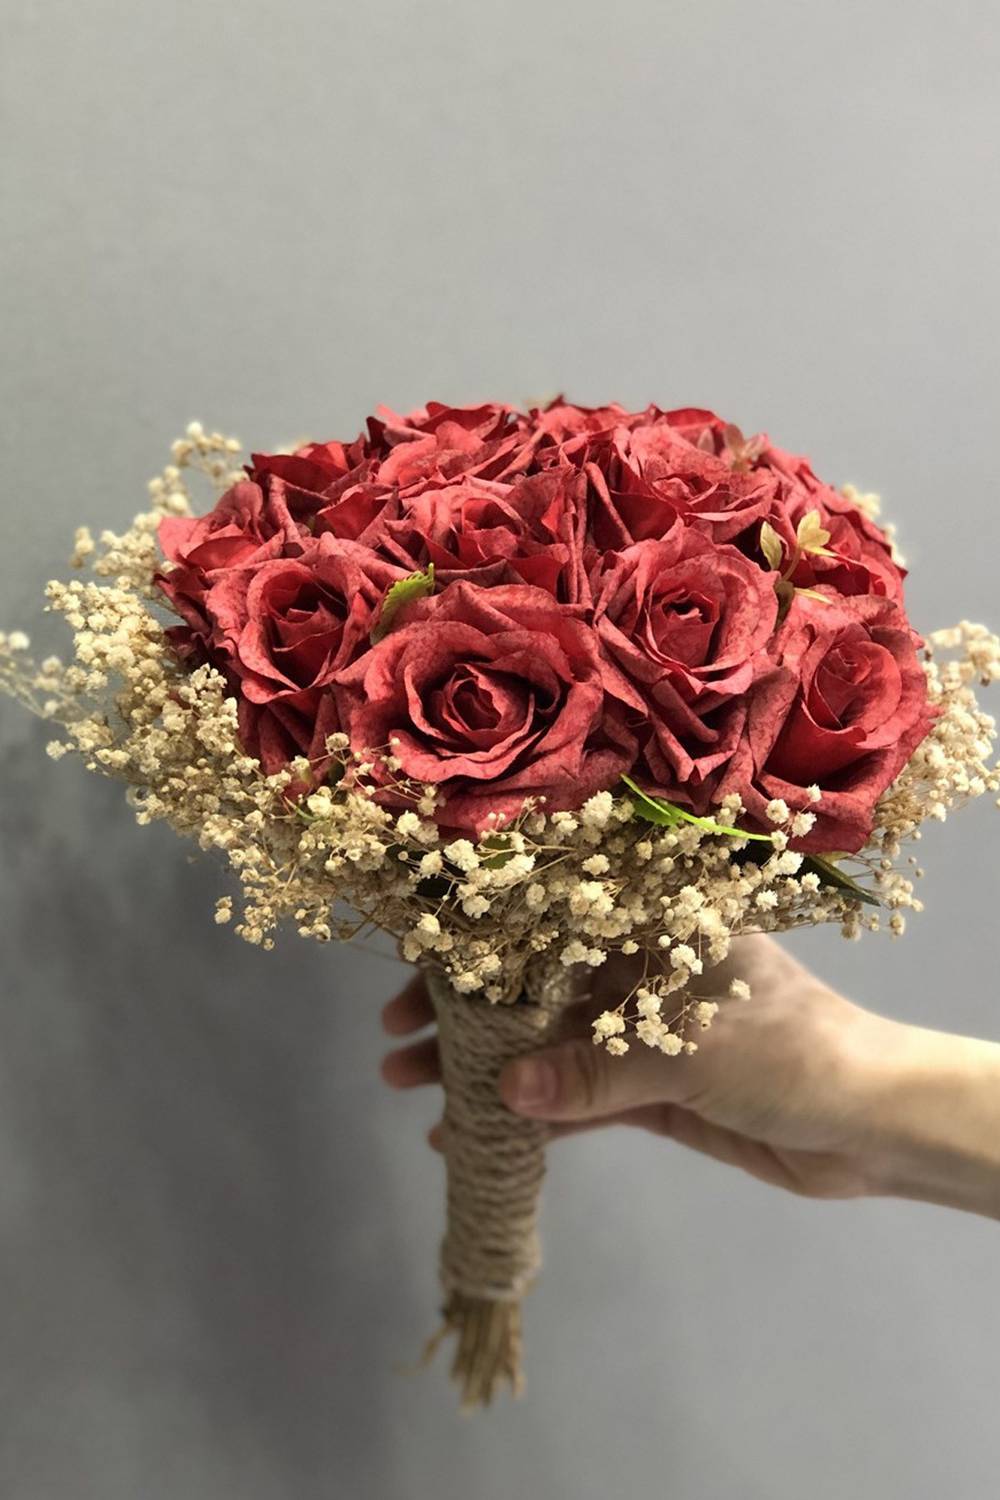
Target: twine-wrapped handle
{"x": 495, "y": 1164}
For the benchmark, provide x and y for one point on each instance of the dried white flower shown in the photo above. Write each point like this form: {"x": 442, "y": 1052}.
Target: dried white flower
{"x": 609, "y": 1023}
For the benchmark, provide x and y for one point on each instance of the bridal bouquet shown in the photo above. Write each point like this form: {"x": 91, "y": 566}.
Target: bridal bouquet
{"x": 523, "y": 689}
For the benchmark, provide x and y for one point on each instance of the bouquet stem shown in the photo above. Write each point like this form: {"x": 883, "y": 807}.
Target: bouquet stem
{"x": 495, "y": 1163}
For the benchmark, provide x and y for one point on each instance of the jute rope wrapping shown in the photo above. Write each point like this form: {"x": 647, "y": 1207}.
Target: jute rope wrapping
{"x": 495, "y": 1164}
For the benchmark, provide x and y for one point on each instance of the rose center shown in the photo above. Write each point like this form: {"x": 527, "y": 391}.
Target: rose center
{"x": 480, "y": 706}
{"x": 682, "y": 627}
{"x": 856, "y": 685}
{"x": 304, "y": 628}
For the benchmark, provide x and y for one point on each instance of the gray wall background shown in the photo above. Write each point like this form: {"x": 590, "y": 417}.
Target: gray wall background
{"x": 217, "y": 1230}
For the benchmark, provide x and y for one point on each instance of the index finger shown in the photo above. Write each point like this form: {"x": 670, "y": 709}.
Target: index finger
{"x": 409, "y": 1011}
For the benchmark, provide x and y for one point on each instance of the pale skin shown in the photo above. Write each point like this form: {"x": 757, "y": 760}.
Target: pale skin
{"x": 798, "y": 1086}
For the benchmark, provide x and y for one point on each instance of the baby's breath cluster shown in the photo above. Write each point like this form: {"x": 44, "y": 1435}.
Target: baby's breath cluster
{"x": 336, "y": 849}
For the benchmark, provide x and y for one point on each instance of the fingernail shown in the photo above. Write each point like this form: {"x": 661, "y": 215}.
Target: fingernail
{"x": 533, "y": 1084}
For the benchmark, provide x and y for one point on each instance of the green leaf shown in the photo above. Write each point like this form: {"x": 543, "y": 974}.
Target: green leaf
{"x": 771, "y": 546}
{"x": 404, "y": 591}
{"x": 832, "y": 875}
{"x": 502, "y": 852}
{"x": 812, "y": 535}
{"x": 668, "y": 815}
{"x": 651, "y": 808}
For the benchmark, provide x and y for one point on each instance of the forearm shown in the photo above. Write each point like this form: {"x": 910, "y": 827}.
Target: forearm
{"x": 934, "y": 1122}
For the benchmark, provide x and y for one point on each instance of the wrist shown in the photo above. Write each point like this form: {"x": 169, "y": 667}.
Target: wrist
{"x": 931, "y": 1122}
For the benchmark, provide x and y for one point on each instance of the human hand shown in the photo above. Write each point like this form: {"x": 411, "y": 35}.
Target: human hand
{"x": 799, "y": 1087}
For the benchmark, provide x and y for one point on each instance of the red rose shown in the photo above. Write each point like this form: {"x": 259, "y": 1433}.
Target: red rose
{"x": 704, "y": 430}
{"x": 490, "y": 532}
{"x": 687, "y": 622}
{"x": 706, "y": 490}
{"x": 324, "y": 490}
{"x": 349, "y": 490}
{"x": 857, "y": 559}
{"x": 280, "y": 630}
{"x": 560, "y": 425}
{"x": 492, "y": 695}
{"x": 844, "y": 710}
{"x": 313, "y": 468}
{"x": 246, "y": 527}
{"x": 861, "y": 561}
{"x": 644, "y": 473}
{"x": 641, "y": 531}
{"x": 446, "y": 442}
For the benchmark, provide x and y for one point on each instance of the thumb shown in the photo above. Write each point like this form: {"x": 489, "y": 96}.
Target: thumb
{"x": 581, "y": 1081}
